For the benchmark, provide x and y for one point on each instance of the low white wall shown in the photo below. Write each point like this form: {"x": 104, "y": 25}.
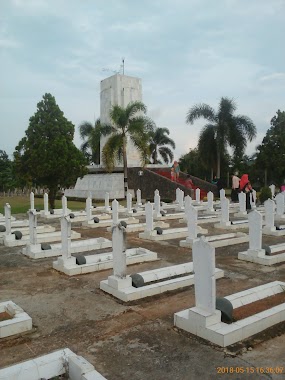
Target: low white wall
{"x": 98, "y": 185}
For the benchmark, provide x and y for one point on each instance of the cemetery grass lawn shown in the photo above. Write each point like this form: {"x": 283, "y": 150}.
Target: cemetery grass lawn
{"x": 21, "y": 204}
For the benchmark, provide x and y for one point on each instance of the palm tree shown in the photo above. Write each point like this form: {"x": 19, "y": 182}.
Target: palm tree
{"x": 92, "y": 135}
{"x": 224, "y": 129}
{"x": 159, "y": 140}
{"x": 127, "y": 124}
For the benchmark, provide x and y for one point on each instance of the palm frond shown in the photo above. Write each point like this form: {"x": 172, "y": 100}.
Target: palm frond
{"x": 112, "y": 151}
{"x": 227, "y": 107}
{"x": 133, "y": 108}
{"x": 200, "y": 110}
{"x": 84, "y": 147}
{"x": 247, "y": 125}
{"x": 166, "y": 154}
{"x": 107, "y": 129}
{"x": 85, "y": 129}
{"x": 207, "y": 145}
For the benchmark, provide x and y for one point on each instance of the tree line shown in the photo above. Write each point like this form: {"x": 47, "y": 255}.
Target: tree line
{"x": 46, "y": 156}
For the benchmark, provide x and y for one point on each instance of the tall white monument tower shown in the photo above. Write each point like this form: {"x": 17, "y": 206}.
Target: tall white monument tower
{"x": 120, "y": 90}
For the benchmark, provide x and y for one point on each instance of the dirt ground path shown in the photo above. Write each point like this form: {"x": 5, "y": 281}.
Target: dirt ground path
{"x": 135, "y": 340}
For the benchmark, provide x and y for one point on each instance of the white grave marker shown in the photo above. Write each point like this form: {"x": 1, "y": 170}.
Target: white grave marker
{"x": 46, "y": 204}
{"x": 64, "y": 205}
{"x": 269, "y": 207}
{"x": 107, "y": 200}
{"x": 32, "y": 201}
{"x": 187, "y": 203}
{"x": 157, "y": 204}
{"x": 204, "y": 269}
{"x": 149, "y": 217}
{"x": 192, "y": 217}
{"x": 280, "y": 203}
{"x": 225, "y": 214}
{"x": 129, "y": 203}
{"x": 253, "y": 199}
{"x": 242, "y": 202}
{"x": 272, "y": 188}
{"x": 115, "y": 211}
{"x": 88, "y": 208}
{"x": 222, "y": 194}
{"x": 255, "y": 231}
{"x": 177, "y": 193}
{"x": 33, "y": 227}
{"x": 181, "y": 199}
{"x": 198, "y": 195}
{"x": 139, "y": 197}
{"x": 210, "y": 201}
{"x": 119, "y": 251}
{"x": 66, "y": 238}
{"x": 7, "y": 210}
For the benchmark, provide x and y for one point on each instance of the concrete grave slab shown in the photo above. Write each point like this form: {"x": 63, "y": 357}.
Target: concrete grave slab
{"x": 51, "y": 366}
{"x": 165, "y": 280}
{"x": 204, "y": 320}
{"x": 79, "y": 246}
{"x": 222, "y": 240}
{"x": 20, "y": 321}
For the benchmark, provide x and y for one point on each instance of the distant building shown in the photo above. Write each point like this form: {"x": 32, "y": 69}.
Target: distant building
{"x": 120, "y": 90}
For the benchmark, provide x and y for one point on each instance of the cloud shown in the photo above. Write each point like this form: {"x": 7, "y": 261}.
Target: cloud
{"x": 8, "y": 43}
{"x": 273, "y": 77}
{"x": 130, "y": 27}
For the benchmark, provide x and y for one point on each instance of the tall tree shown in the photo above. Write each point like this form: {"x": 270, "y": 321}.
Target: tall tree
{"x": 224, "y": 128}
{"x": 191, "y": 163}
{"x": 127, "y": 123}
{"x": 271, "y": 152}
{"x": 158, "y": 145}
{"x": 6, "y": 172}
{"x": 47, "y": 154}
{"x": 91, "y": 135}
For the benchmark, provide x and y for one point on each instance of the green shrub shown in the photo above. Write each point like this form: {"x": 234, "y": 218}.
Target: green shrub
{"x": 265, "y": 193}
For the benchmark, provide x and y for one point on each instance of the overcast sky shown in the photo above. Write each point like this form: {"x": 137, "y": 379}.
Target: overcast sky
{"x": 185, "y": 52}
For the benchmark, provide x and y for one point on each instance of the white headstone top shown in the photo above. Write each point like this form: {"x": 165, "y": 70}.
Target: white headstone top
{"x": 242, "y": 201}
{"x": 88, "y": 208}
{"x": 187, "y": 202}
{"x": 64, "y": 205}
{"x": 32, "y": 201}
{"x": 177, "y": 193}
{"x": 210, "y": 203}
{"x": 197, "y": 195}
{"x": 157, "y": 204}
{"x": 204, "y": 277}
{"x": 119, "y": 251}
{"x": 280, "y": 200}
{"x": 269, "y": 207}
{"x": 46, "y": 203}
{"x": 253, "y": 199}
{"x": 33, "y": 227}
{"x": 139, "y": 197}
{"x": 181, "y": 199}
{"x": 115, "y": 211}
{"x": 107, "y": 200}
{"x": 129, "y": 202}
{"x": 65, "y": 237}
{"x": 272, "y": 188}
{"x": 149, "y": 216}
{"x": 225, "y": 207}
{"x": 192, "y": 217}
{"x": 222, "y": 194}
{"x": 255, "y": 230}
{"x": 7, "y": 211}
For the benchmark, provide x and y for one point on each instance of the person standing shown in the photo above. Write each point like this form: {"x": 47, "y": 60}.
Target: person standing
{"x": 176, "y": 169}
{"x": 235, "y": 187}
{"x": 245, "y": 186}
